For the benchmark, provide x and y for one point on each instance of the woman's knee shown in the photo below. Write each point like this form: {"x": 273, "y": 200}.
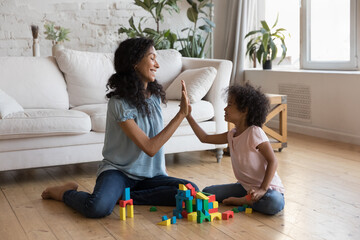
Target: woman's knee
{"x": 98, "y": 209}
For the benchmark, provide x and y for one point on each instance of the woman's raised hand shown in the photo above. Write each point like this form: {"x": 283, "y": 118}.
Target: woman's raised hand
{"x": 185, "y": 103}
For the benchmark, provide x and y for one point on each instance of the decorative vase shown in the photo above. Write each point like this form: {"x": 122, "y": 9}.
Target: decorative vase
{"x": 267, "y": 64}
{"x": 57, "y": 47}
{"x": 36, "y": 47}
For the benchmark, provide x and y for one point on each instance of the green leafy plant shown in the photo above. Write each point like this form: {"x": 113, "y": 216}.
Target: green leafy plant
{"x": 263, "y": 46}
{"x": 194, "y": 44}
{"x": 56, "y": 34}
{"x": 163, "y": 39}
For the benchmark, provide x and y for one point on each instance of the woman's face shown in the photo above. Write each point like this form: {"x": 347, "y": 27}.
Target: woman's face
{"x": 147, "y": 66}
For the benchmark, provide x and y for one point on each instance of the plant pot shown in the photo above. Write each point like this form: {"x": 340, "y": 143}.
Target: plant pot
{"x": 267, "y": 64}
{"x": 57, "y": 47}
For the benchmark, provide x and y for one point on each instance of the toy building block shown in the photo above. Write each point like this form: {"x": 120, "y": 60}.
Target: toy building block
{"x": 199, "y": 204}
{"x": 245, "y": 205}
{"x": 248, "y": 210}
{"x": 248, "y": 197}
{"x": 184, "y": 213}
{"x": 215, "y": 215}
{"x": 177, "y": 213}
{"x": 241, "y": 209}
{"x": 235, "y": 210}
{"x": 126, "y": 194}
{"x": 130, "y": 211}
{"x": 200, "y": 195}
{"x": 122, "y": 213}
{"x": 164, "y": 218}
{"x": 123, "y": 203}
{"x": 191, "y": 188}
{"x": 182, "y": 187}
{"x": 210, "y": 205}
{"x": 206, "y": 204}
{"x": 189, "y": 206}
{"x": 165, "y": 223}
{"x": 153, "y": 209}
{"x": 213, "y": 210}
{"x": 215, "y": 204}
{"x": 212, "y": 198}
{"x": 173, "y": 220}
{"x": 201, "y": 217}
{"x": 183, "y": 193}
{"x": 192, "y": 216}
{"x": 228, "y": 214}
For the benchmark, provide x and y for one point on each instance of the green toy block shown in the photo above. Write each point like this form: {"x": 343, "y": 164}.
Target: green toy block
{"x": 153, "y": 209}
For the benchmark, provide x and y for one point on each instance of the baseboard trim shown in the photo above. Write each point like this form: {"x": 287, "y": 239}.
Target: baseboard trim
{"x": 319, "y": 132}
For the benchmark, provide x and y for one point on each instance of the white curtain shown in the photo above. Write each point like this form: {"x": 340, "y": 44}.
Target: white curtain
{"x": 241, "y": 18}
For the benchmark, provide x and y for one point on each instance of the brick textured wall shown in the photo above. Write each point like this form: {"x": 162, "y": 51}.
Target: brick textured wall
{"x": 93, "y": 23}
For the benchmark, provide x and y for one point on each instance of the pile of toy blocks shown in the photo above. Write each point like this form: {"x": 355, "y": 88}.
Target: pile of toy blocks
{"x": 195, "y": 206}
{"x": 128, "y": 203}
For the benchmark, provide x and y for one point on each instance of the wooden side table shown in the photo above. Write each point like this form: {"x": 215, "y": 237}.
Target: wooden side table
{"x": 278, "y": 105}
{"x": 278, "y": 139}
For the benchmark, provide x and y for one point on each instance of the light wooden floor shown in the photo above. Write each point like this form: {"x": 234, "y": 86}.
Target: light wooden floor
{"x": 322, "y": 181}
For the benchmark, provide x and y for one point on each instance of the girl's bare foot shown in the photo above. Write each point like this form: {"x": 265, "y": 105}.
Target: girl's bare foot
{"x": 235, "y": 201}
{"x": 57, "y": 192}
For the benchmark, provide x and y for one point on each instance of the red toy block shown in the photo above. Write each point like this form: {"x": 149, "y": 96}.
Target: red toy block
{"x": 192, "y": 189}
{"x": 213, "y": 210}
{"x": 248, "y": 197}
{"x": 184, "y": 213}
{"x": 228, "y": 214}
{"x": 212, "y": 198}
{"x": 123, "y": 203}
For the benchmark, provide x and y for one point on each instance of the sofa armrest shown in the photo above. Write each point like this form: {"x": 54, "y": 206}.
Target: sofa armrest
{"x": 216, "y": 92}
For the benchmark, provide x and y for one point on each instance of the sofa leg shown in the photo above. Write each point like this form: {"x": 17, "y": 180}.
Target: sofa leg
{"x": 219, "y": 154}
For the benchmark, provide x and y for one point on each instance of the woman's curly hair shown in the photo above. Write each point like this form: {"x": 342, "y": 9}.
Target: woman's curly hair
{"x": 253, "y": 100}
{"x": 126, "y": 83}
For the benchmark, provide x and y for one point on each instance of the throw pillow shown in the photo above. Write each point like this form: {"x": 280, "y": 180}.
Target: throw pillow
{"x": 8, "y": 105}
{"x": 198, "y": 82}
{"x": 170, "y": 66}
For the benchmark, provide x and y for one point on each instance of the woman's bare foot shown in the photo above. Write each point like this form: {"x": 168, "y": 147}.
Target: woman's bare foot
{"x": 57, "y": 192}
{"x": 235, "y": 201}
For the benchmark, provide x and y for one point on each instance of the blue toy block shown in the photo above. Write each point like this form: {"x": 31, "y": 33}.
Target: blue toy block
{"x": 211, "y": 205}
{"x": 199, "y": 204}
{"x": 241, "y": 209}
{"x": 126, "y": 194}
{"x": 173, "y": 220}
{"x": 164, "y": 218}
{"x": 177, "y": 214}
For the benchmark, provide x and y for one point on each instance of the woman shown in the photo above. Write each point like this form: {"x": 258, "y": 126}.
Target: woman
{"x": 134, "y": 136}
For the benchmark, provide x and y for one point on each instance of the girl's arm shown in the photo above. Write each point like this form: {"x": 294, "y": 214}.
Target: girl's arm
{"x": 152, "y": 145}
{"x": 267, "y": 151}
{"x": 203, "y": 136}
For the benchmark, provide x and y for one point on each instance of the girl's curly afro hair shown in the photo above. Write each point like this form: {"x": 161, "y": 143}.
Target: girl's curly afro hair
{"x": 251, "y": 99}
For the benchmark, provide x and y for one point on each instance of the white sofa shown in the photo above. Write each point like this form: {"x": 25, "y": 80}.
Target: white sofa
{"x": 64, "y": 105}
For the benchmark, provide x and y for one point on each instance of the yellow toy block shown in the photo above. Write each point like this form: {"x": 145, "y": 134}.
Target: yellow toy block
{"x": 182, "y": 187}
{"x": 165, "y": 223}
{"x": 130, "y": 211}
{"x": 215, "y": 215}
{"x": 199, "y": 195}
{"x": 192, "y": 216}
{"x": 248, "y": 210}
{"x": 122, "y": 213}
{"x": 215, "y": 204}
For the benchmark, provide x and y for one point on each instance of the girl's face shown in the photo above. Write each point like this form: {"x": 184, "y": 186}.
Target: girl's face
{"x": 147, "y": 66}
{"x": 232, "y": 114}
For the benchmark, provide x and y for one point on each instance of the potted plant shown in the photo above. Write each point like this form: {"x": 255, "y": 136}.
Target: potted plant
{"x": 194, "y": 44}
{"x": 163, "y": 39}
{"x": 57, "y": 35}
{"x": 262, "y": 44}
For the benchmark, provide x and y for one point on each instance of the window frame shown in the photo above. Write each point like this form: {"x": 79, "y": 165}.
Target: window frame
{"x": 305, "y": 41}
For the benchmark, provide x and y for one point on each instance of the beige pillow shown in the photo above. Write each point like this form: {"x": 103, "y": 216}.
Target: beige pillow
{"x": 8, "y": 105}
{"x": 198, "y": 83}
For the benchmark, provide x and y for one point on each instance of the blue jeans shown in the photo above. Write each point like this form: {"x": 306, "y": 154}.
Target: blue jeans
{"x": 271, "y": 203}
{"x": 110, "y": 185}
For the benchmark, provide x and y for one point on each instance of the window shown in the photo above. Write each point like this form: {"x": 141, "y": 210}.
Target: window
{"x": 328, "y": 34}
{"x": 323, "y": 32}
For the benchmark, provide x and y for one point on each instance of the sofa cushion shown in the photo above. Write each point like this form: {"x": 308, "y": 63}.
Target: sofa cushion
{"x": 201, "y": 111}
{"x": 198, "y": 82}
{"x": 170, "y": 66}
{"x": 86, "y": 75}
{"x": 97, "y": 113}
{"x": 44, "y": 122}
{"x": 34, "y": 82}
{"x": 8, "y": 105}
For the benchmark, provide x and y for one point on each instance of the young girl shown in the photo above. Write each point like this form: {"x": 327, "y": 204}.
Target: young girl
{"x": 253, "y": 160}
{"x": 134, "y": 136}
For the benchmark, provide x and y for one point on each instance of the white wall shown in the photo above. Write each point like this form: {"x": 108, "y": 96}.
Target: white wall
{"x": 93, "y": 23}
{"x": 335, "y": 101}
